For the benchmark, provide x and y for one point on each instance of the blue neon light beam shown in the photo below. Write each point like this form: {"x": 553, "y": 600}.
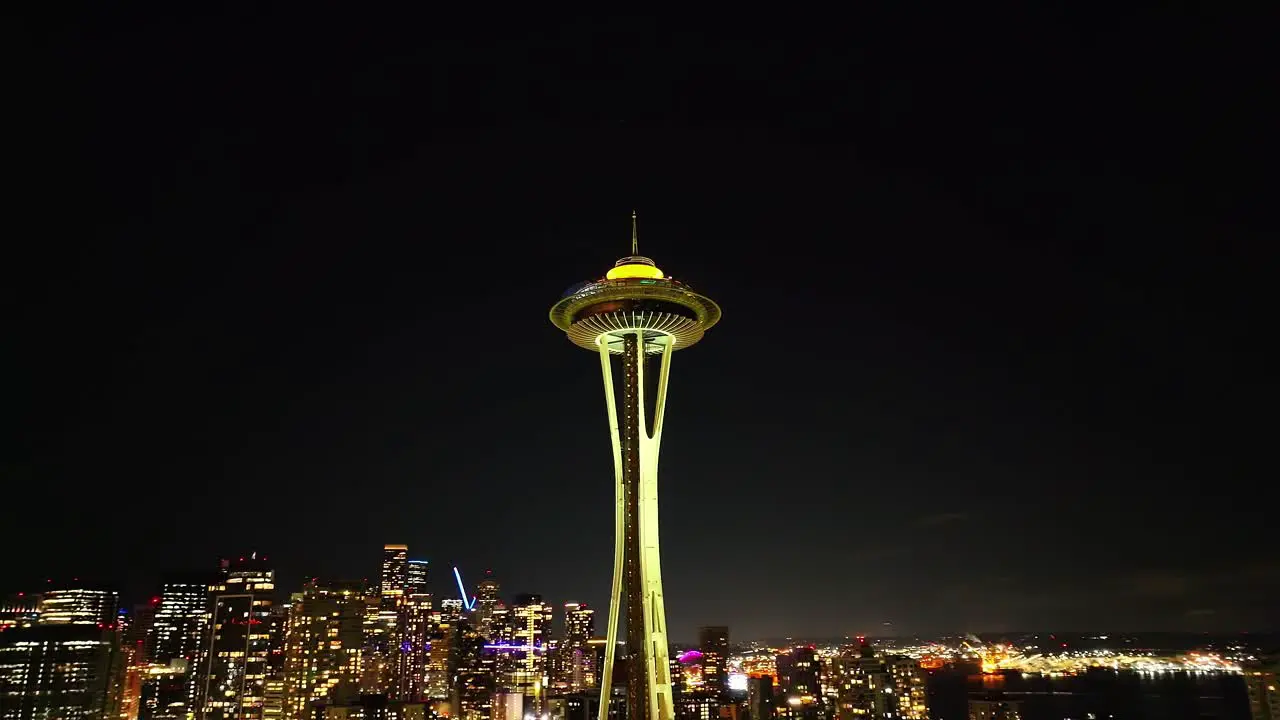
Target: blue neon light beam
{"x": 466, "y": 604}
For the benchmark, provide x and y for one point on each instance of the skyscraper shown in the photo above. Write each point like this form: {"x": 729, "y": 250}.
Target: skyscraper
{"x": 713, "y": 641}
{"x": 487, "y": 592}
{"x": 322, "y": 646}
{"x": 59, "y": 670}
{"x": 798, "y": 671}
{"x": 240, "y": 641}
{"x": 78, "y": 606}
{"x": 415, "y": 577}
{"x": 181, "y": 618}
{"x": 395, "y": 570}
{"x": 636, "y": 312}
{"x": 573, "y": 656}
{"x": 531, "y": 624}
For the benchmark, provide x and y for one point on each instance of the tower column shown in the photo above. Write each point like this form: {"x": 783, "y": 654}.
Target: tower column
{"x": 637, "y": 578}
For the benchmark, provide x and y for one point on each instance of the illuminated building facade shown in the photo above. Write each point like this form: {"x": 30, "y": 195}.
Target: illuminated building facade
{"x": 869, "y": 685}
{"x": 415, "y": 577}
{"x": 637, "y": 313}
{"x": 322, "y": 646}
{"x": 78, "y": 606}
{"x": 241, "y": 641}
{"x": 19, "y": 610}
{"x": 713, "y": 641}
{"x": 395, "y": 570}
{"x": 531, "y": 628}
{"x": 181, "y": 620}
{"x": 64, "y": 670}
{"x": 164, "y": 693}
{"x": 487, "y": 601}
{"x": 472, "y": 696}
{"x": 575, "y": 670}
{"x": 416, "y": 624}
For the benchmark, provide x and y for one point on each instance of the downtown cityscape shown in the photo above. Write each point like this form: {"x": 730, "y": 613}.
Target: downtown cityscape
{"x": 420, "y": 642}
{"x": 906, "y": 362}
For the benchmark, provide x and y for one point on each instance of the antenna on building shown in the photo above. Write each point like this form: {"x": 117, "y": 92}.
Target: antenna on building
{"x": 635, "y": 237}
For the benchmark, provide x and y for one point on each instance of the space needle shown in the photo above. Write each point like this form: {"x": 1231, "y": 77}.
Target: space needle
{"x": 637, "y": 313}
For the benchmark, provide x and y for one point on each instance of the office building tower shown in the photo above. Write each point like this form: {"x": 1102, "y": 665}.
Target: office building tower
{"x": 531, "y": 624}
{"x": 798, "y": 683}
{"x": 379, "y": 664}
{"x": 415, "y": 577}
{"x": 273, "y": 697}
{"x": 713, "y": 642}
{"x": 871, "y": 686}
{"x": 487, "y": 601}
{"x": 181, "y": 618}
{"x": 472, "y": 696}
{"x": 760, "y": 698}
{"x": 574, "y": 672}
{"x": 395, "y": 570}
{"x": 241, "y": 641}
{"x": 136, "y": 638}
{"x": 442, "y": 650}
{"x": 165, "y": 691}
{"x": 63, "y": 670}
{"x": 1263, "y": 686}
{"x": 322, "y": 646}
{"x": 177, "y": 643}
{"x": 638, "y": 314}
{"x": 19, "y": 610}
{"x": 798, "y": 671}
{"x": 78, "y": 606}
{"x": 416, "y": 624}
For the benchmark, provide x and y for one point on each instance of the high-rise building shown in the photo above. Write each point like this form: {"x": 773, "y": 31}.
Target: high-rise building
{"x": 574, "y": 661}
{"x": 531, "y": 624}
{"x": 637, "y": 313}
{"x": 78, "y": 606}
{"x": 19, "y": 610}
{"x": 68, "y": 670}
{"x": 760, "y": 697}
{"x": 871, "y": 686}
{"x": 416, "y": 625}
{"x": 472, "y": 696}
{"x": 798, "y": 683}
{"x": 322, "y": 646}
{"x": 235, "y": 664}
{"x": 136, "y": 638}
{"x": 713, "y": 642}
{"x": 487, "y": 601}
{"x": 176, "y": 643}
{"x": 181, "y": 618}
{"x": 273, "y": 695}
{"x": 395, "y": 570}
{"x": 415, "y": 577}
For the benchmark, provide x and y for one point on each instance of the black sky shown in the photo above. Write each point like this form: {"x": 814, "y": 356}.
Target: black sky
{"x": 992, "y": 353}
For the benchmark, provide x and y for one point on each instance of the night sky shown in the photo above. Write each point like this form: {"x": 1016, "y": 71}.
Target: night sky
{"x": 992, "y": 354}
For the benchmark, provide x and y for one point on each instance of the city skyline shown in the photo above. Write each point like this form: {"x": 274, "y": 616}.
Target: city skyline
{"x": 994, "y": 360}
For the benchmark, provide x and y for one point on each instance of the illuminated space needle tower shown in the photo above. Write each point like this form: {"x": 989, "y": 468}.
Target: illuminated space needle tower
{"x": 637, "y": 313}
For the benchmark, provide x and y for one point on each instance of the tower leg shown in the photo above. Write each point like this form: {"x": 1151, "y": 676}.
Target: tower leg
{"x": 637, "y": 572}
{"x": 619, "y": 535}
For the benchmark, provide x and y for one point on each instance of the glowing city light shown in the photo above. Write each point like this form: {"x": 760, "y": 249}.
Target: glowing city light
{"x": 466, "y": 604}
